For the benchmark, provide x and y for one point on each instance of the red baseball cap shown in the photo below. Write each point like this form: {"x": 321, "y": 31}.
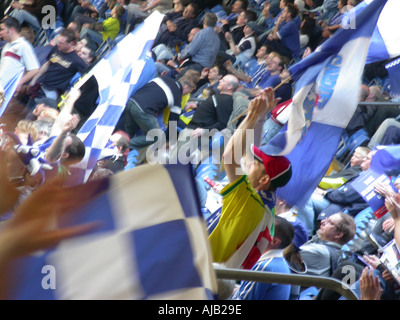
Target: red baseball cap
{"x": 278, "y": 168}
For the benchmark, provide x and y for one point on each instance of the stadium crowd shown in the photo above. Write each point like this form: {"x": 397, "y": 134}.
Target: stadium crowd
{"x": 221, "y": 68}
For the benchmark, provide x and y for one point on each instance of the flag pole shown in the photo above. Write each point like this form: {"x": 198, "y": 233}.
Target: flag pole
{"x": 273, "y": 90}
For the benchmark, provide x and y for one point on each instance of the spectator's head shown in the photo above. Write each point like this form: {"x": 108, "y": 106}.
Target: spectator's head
{"x": 118, "y": 12}
{"x": 374, "y": 94}
{"x": 284, "y": 3}
{"x": 216, "y": 73}
{"x": 359, "y": 156}
{"x": 87, "y": 53}
{"x": 268, "y": 172}
{"x": 263, "y": 52}
{"x": 228, "y": 84}
{"x": 284, "y": 234}
{"x": 187, "y": 85}
{"x": 339, "y": 227}
{"x": 246, "y": 16}
{"x": 366, "y": 164}
{"x": 9, "y": 29}
{"x": 192, "y": 33}
{"x": 76, "y": 27}
{"x": 290, "y": 12}
{"x": 275, "y": 63}
{"x": 44, "y": 126}
{"x": 74, "y": 150}
{"x": 191, "y": 11}
{"x": 66, "y": 41}
{"x": 250, "y": 28}
{"x": 210, "y": 19}
{"x": 239, "y": 6}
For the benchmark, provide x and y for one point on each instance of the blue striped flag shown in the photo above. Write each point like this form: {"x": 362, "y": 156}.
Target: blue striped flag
{"x": 326, "y": 95}
{"x": 9, "y": 89}
{"x": 128, "y": 67}
{"x": 151, "y": 244}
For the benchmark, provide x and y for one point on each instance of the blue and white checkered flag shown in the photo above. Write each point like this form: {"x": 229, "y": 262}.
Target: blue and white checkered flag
{"x": 151, "y": 244}
{"x": 128, "y": 67}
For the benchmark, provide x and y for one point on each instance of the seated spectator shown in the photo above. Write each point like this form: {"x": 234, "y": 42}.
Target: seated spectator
{"x": 210, "y": 116}
{"x": 91, "y": 10}
{"x": 108, "y": 29}
{"x": 215, "y": 74}
{"x": 54, "y": 76}
{"x": 285, "y": 37}
{"x": 235, "y": 33}
{"x": 323, "y": 253}
{"x": 335, "y": 180}
{"x": 203, "y": 49}
{"x": 32, "y": 13}
{"x": 177, "y": 32}
{"x": 167, "y": 58}
{"x": 246, "y": 47}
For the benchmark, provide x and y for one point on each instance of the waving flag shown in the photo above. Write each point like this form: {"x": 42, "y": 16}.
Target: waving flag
{"x": 143, "y": 249}
{"x": 9, "y": 89}
{"x": 385, "y": 41}
{"x": 393, "y": 69}
{"x": 325, "y": 98}
{"x": 128, "y": 66}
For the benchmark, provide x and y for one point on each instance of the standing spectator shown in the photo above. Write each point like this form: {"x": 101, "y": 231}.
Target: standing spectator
{"x": 248, "y": 199}
{"x": 148, "y": 102}
{"x": 17, "y": 53}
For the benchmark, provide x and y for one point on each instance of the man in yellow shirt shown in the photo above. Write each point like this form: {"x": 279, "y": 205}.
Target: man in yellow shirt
{"x": 246, "y": 224}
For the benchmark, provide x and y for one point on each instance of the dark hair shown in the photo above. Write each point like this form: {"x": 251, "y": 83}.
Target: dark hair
{"x": 76, "y": 149}
{"x": 292, "y": 10}
{"x": 244, "y": 5}
{"x": 308, "y": 26}
{"x": 120, "y": 11}
{"x": 347, "y": 227}
{"x": 11, "y": 23}
{"x": 250, "y": 15}
{"x": 284, "y": 231}
{"x": 68, "y": 34}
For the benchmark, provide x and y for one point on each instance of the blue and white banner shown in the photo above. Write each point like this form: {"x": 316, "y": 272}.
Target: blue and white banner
{"x": 393, "y": 69}
{"x": 326, "y": 95}
{"x": 9, "y": 89}
{"x": 128, "y": 67}
{"x": 385, "y": 41}
{"x": 151, "y": 243}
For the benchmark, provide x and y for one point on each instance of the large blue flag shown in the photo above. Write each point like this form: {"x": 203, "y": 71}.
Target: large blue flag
{"x": 151, "y": 244}
{"x": 326, "y": 96}
{"x": 128, "y": 67}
